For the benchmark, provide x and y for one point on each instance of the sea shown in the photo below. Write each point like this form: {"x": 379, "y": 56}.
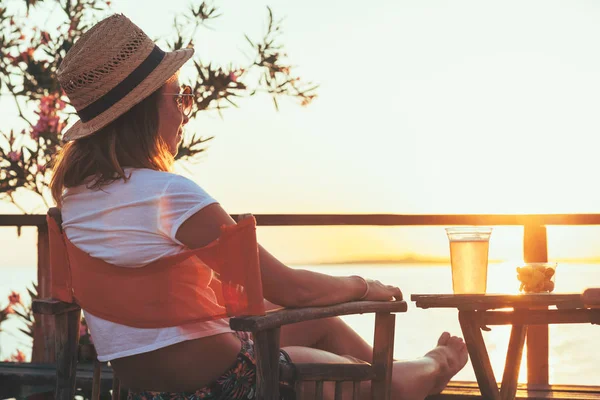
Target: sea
{"x": 574, "y": 357}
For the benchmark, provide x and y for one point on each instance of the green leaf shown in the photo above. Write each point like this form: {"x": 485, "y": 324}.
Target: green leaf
{"x": 249, "y": 41}
{"x": 28, "y": 333}
{"x": 20, "y": 314}
{"x": 230, "y": 101}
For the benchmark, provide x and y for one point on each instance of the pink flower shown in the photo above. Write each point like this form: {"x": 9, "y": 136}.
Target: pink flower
{"x": 19, "y": 356}
{"x": 307, "y": 100}
{"x": 52, "y": 122}
{"x": 9, "y": 310}
{"x": 233, "y": 76}
{"x": 14, "y": 155}
{"x": 35, "y": 133}
{"x": 49, "y": 121}
{"x": 14, "y": 298}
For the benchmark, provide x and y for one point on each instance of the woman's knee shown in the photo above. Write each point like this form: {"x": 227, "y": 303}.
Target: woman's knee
{"x": 301, "y": 354}
{"x": 309, "y": 333}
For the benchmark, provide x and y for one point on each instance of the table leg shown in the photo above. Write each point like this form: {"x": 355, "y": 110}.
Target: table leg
{"x": 514, "y": 356}
{"x": 470, "y": 325}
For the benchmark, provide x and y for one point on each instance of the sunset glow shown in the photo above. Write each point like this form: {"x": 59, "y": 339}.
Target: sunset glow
{"x": 454, "y": 113}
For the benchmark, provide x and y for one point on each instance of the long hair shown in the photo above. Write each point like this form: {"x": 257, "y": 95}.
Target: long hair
{"x": 132, "y": 140}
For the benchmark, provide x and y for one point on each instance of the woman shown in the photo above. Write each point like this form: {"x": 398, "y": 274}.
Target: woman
{"x": 120, "y": 204}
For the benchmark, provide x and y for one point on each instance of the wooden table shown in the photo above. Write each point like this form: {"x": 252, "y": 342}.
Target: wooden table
{"x": 477, "y": 311}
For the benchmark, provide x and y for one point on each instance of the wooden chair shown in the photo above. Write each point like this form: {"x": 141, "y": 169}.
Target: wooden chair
{"x": 265, "y": 330}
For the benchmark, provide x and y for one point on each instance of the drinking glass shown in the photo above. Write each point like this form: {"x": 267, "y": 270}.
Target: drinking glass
{"x": 469, "y": 258}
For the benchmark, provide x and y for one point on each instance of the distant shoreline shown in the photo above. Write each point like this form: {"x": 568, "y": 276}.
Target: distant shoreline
{"x": 385, "y": 262}
{"x": 434, "y": 261}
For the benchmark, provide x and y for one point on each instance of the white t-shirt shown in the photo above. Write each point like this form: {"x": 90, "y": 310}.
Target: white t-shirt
{"x": 131, "y": 224}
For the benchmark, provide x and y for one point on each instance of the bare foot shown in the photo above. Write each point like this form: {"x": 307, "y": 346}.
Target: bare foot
{"x": 451, "y": 356}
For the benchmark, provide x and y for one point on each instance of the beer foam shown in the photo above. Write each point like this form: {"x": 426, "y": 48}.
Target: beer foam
{"x": 469, "y": 239}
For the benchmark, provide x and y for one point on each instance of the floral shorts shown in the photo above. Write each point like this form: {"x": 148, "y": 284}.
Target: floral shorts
{"x": 238, "y": 382}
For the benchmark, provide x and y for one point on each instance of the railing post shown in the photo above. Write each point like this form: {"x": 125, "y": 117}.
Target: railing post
{"x": 43, "y": 335}
{"x": 535, "y": 249}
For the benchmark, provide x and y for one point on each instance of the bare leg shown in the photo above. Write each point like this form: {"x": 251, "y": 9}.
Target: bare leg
{"x": 329, "y": 334}
{"x": 411, "y": 379}
{"x": 451, "y": 356}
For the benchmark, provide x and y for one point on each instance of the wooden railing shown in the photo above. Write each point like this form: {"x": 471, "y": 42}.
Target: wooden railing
{"x": 534, "y": 250}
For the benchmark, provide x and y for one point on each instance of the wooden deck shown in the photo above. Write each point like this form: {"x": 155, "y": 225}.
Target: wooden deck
{"x": 22, "y": 380}
{"x": 469, "y": 390}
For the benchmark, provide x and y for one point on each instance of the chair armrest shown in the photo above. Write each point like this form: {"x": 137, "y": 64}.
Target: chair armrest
{"x": 286, "y": 316}
{"x": 52, "y": 306}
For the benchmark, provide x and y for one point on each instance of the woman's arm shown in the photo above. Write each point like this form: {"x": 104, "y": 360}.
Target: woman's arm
{"x": 283, "y": 285}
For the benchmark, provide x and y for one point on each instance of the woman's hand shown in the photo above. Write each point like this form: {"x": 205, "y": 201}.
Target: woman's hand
{"x": 377, "y": 291}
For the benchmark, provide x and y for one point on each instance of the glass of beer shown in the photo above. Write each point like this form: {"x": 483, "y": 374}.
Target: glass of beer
{"x": 469, "y": 258}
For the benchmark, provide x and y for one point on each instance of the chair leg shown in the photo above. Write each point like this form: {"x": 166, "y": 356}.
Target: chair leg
{"x": 116, "y": 388}
{"x": 96, "y": 380}
{"x": 383, "y": 355}
{"x": 66, "y": 343}
{"x": 266, "y": 346}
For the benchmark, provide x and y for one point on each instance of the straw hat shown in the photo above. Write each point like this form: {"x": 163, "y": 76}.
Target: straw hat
{"x": 111, "y": 68}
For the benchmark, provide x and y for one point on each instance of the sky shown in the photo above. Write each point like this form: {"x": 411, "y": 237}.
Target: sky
{"x": 423, "y": 107}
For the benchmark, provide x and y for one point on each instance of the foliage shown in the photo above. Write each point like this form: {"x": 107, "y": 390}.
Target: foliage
{"x": 16, "y": 308}
{"x": 30, "y": 59}
{"x": 32, "y": 55}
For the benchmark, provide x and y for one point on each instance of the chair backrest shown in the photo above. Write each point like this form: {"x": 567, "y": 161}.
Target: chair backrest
{"x": 77, "y": 276}
{"x": 67, "y": 320}
{"x": 56, "y": 215}
{"x": 67, "y": 313}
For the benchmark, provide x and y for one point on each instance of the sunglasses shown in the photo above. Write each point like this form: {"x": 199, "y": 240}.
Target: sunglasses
{"x": 185, "y": 100}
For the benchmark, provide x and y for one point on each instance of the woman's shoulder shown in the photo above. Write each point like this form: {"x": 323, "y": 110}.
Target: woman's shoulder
{"x": 158, "y": 177}
{"x": 140, "y": 181}
{"x": 146, "y": 173}
{"x": 169, "y": 183}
